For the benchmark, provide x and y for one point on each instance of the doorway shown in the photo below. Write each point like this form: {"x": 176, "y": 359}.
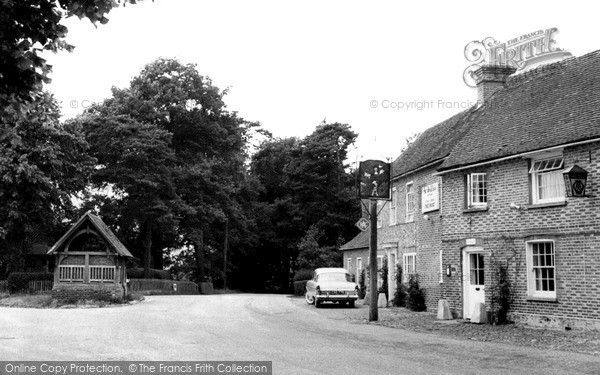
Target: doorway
{"x": 473, "y": 279}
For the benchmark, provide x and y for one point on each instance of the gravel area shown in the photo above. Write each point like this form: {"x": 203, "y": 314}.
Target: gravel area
{"x": 587, "y": 342}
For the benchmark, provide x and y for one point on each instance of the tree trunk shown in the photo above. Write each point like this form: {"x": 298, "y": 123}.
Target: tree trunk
{"x": 147, "y": 243}
{"x": 198, "y": 239}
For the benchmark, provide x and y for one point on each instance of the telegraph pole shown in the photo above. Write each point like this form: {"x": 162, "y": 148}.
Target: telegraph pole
{"x": 373, "y": 312}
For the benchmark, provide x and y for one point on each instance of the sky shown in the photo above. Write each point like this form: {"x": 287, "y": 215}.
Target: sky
{"x": 388, "y": 69}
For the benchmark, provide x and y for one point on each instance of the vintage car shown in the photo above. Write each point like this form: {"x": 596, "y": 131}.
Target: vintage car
{"x": 331, "y": 284}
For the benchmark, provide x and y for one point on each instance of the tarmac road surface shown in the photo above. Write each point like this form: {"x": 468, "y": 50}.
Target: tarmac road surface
{"x": 298, "y": 338}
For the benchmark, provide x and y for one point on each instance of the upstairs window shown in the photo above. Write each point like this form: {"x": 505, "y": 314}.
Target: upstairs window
{"x": 410, "y": 202}
{"x": 547, "y": 182}
{"x": 393, "y": 207}
{"x": 477, "y": 194}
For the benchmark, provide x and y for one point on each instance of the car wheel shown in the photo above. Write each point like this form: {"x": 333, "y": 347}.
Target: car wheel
{"x": 310, "y": 300}
{"x": 351, "y": 303}
{"x": 317, "y": 303}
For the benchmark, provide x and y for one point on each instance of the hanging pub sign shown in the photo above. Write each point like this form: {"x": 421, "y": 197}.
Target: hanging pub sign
{"x": 575, "y": 181}
{"x": 374, "y": 179}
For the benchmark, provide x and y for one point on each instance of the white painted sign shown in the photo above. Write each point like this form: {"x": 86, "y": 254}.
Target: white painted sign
{"x": 430, "y": 197}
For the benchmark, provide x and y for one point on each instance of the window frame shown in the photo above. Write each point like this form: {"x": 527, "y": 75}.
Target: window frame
{"x": 394, "y": 207}
{"x": 532, "y": 284}
{"x": 349, "y": 264}
{"x": 539, "y": 167}
{"x": 405, "y": 270}
{"x": 359, "y": 266}
{"x": 469, "y": 188}
{"x": 410, "y": 201}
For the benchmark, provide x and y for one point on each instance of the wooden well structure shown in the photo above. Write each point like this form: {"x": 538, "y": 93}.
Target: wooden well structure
{"x": 90, "y": 262}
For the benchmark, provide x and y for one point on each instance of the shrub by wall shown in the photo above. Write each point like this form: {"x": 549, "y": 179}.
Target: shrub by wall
{"x": 303, "y": 274}
{"x": 138, "y": 273}
{"x": 157, "y": 286}
{"x": 18, "y": 282}
{"x": 299, "y": 287}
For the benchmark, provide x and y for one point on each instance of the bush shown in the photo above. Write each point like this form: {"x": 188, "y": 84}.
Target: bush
{"x": 18, "y": 282}
{"x": 299, "y": 287}
{"x": 416, "y": 297}
{"x": 362, "y": 287}
{"x": 303, "y": 274}
{"x": 138, "y": 273}
{"x": 501, "y": 295}
{"x": 400, "y": 293}
{"x": 384, "y": 278}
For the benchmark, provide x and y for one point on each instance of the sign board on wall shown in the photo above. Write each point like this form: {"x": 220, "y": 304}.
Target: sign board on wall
{"x": 430, "y": 197}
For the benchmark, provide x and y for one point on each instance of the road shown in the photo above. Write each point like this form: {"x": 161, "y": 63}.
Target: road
{"x": 298, "y": 338}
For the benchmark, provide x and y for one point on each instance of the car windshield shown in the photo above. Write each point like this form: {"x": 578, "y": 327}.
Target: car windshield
{"x": 335, "y": 276}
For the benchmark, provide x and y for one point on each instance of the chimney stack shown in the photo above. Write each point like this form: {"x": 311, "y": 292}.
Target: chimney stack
{"x": 491, "y": 78}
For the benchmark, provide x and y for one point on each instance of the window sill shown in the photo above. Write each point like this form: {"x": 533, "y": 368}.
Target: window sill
{"x": 542, "y": 299}
{"x": 474, "y": 209}
{"x": 545, "y": 205}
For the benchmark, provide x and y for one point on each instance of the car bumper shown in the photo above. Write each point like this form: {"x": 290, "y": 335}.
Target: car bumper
{"x": 334, "y": 297}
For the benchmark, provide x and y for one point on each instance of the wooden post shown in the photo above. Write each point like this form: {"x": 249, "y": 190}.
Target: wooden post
{"x": 373, "y": 312}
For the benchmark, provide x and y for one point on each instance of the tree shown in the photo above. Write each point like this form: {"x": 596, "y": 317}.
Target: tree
{"x": 208, "y": 146}
{"x": 308, "y": 201}
{"x": 42, "y": 167}
{"x": 27, "y": 28}
{"x": 134, "y": 162}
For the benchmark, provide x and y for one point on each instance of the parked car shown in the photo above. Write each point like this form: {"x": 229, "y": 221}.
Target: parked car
{"x": 331, "y": 284}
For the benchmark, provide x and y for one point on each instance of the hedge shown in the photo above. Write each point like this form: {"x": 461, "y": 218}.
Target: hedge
{"x": 138, "y": 273}
{"x": 18, "y": 282}
{"x": 303, "y": 274}
{"x": 157, "y": 286}
{"x": 299, "y": 287}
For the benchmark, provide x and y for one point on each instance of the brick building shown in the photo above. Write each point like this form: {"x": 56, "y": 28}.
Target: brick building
{"x": 498, "y": 169}
{"x": 504, "y": 195}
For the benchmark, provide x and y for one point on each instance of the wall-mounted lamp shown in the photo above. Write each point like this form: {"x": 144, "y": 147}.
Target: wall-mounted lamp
{"x": 448, "y": 270}
{"x": 514, "y": 206}
{"x": 426, "y": 217}
{"x": 575, "y": 181}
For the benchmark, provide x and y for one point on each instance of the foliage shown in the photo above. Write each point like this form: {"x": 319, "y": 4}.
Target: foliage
{"x": 138, "y": 273}
{"x": 415, "y": 300}
{"x": 400, "y": 294}
{"x": 299, "y": 287}
{"x": 197, "y": 179}
{"x": 501, "y": 296}
{"x": 312, "y": 256}
{"x": 31, "y": 27}
{"x": 362, "y": 287}
{"x": 384, "y": 278}
{"x": 303, "y": 274}
{"x": 18, "y": 282}
{"x": 307, "y": 204}
{"x": 41, "y": 167}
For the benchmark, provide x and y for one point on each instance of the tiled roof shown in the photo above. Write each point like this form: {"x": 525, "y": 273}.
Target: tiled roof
{"x": 433, "y": 145}
{"x": 361, "y": 241}
{"x": 101, "y": 227}
{"x": 549, "y": 106}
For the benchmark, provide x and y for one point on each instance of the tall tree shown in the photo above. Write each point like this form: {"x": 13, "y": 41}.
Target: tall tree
{"x": 208, "y": 143}
{"x": 42, "y": 167}
{"x": 135, "y": 165}
{"x": 308, "y": 203}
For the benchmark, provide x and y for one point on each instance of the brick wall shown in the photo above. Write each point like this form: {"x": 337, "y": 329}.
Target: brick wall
{"x": 71, "y": 293}
{"x": 502, "y": 232}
